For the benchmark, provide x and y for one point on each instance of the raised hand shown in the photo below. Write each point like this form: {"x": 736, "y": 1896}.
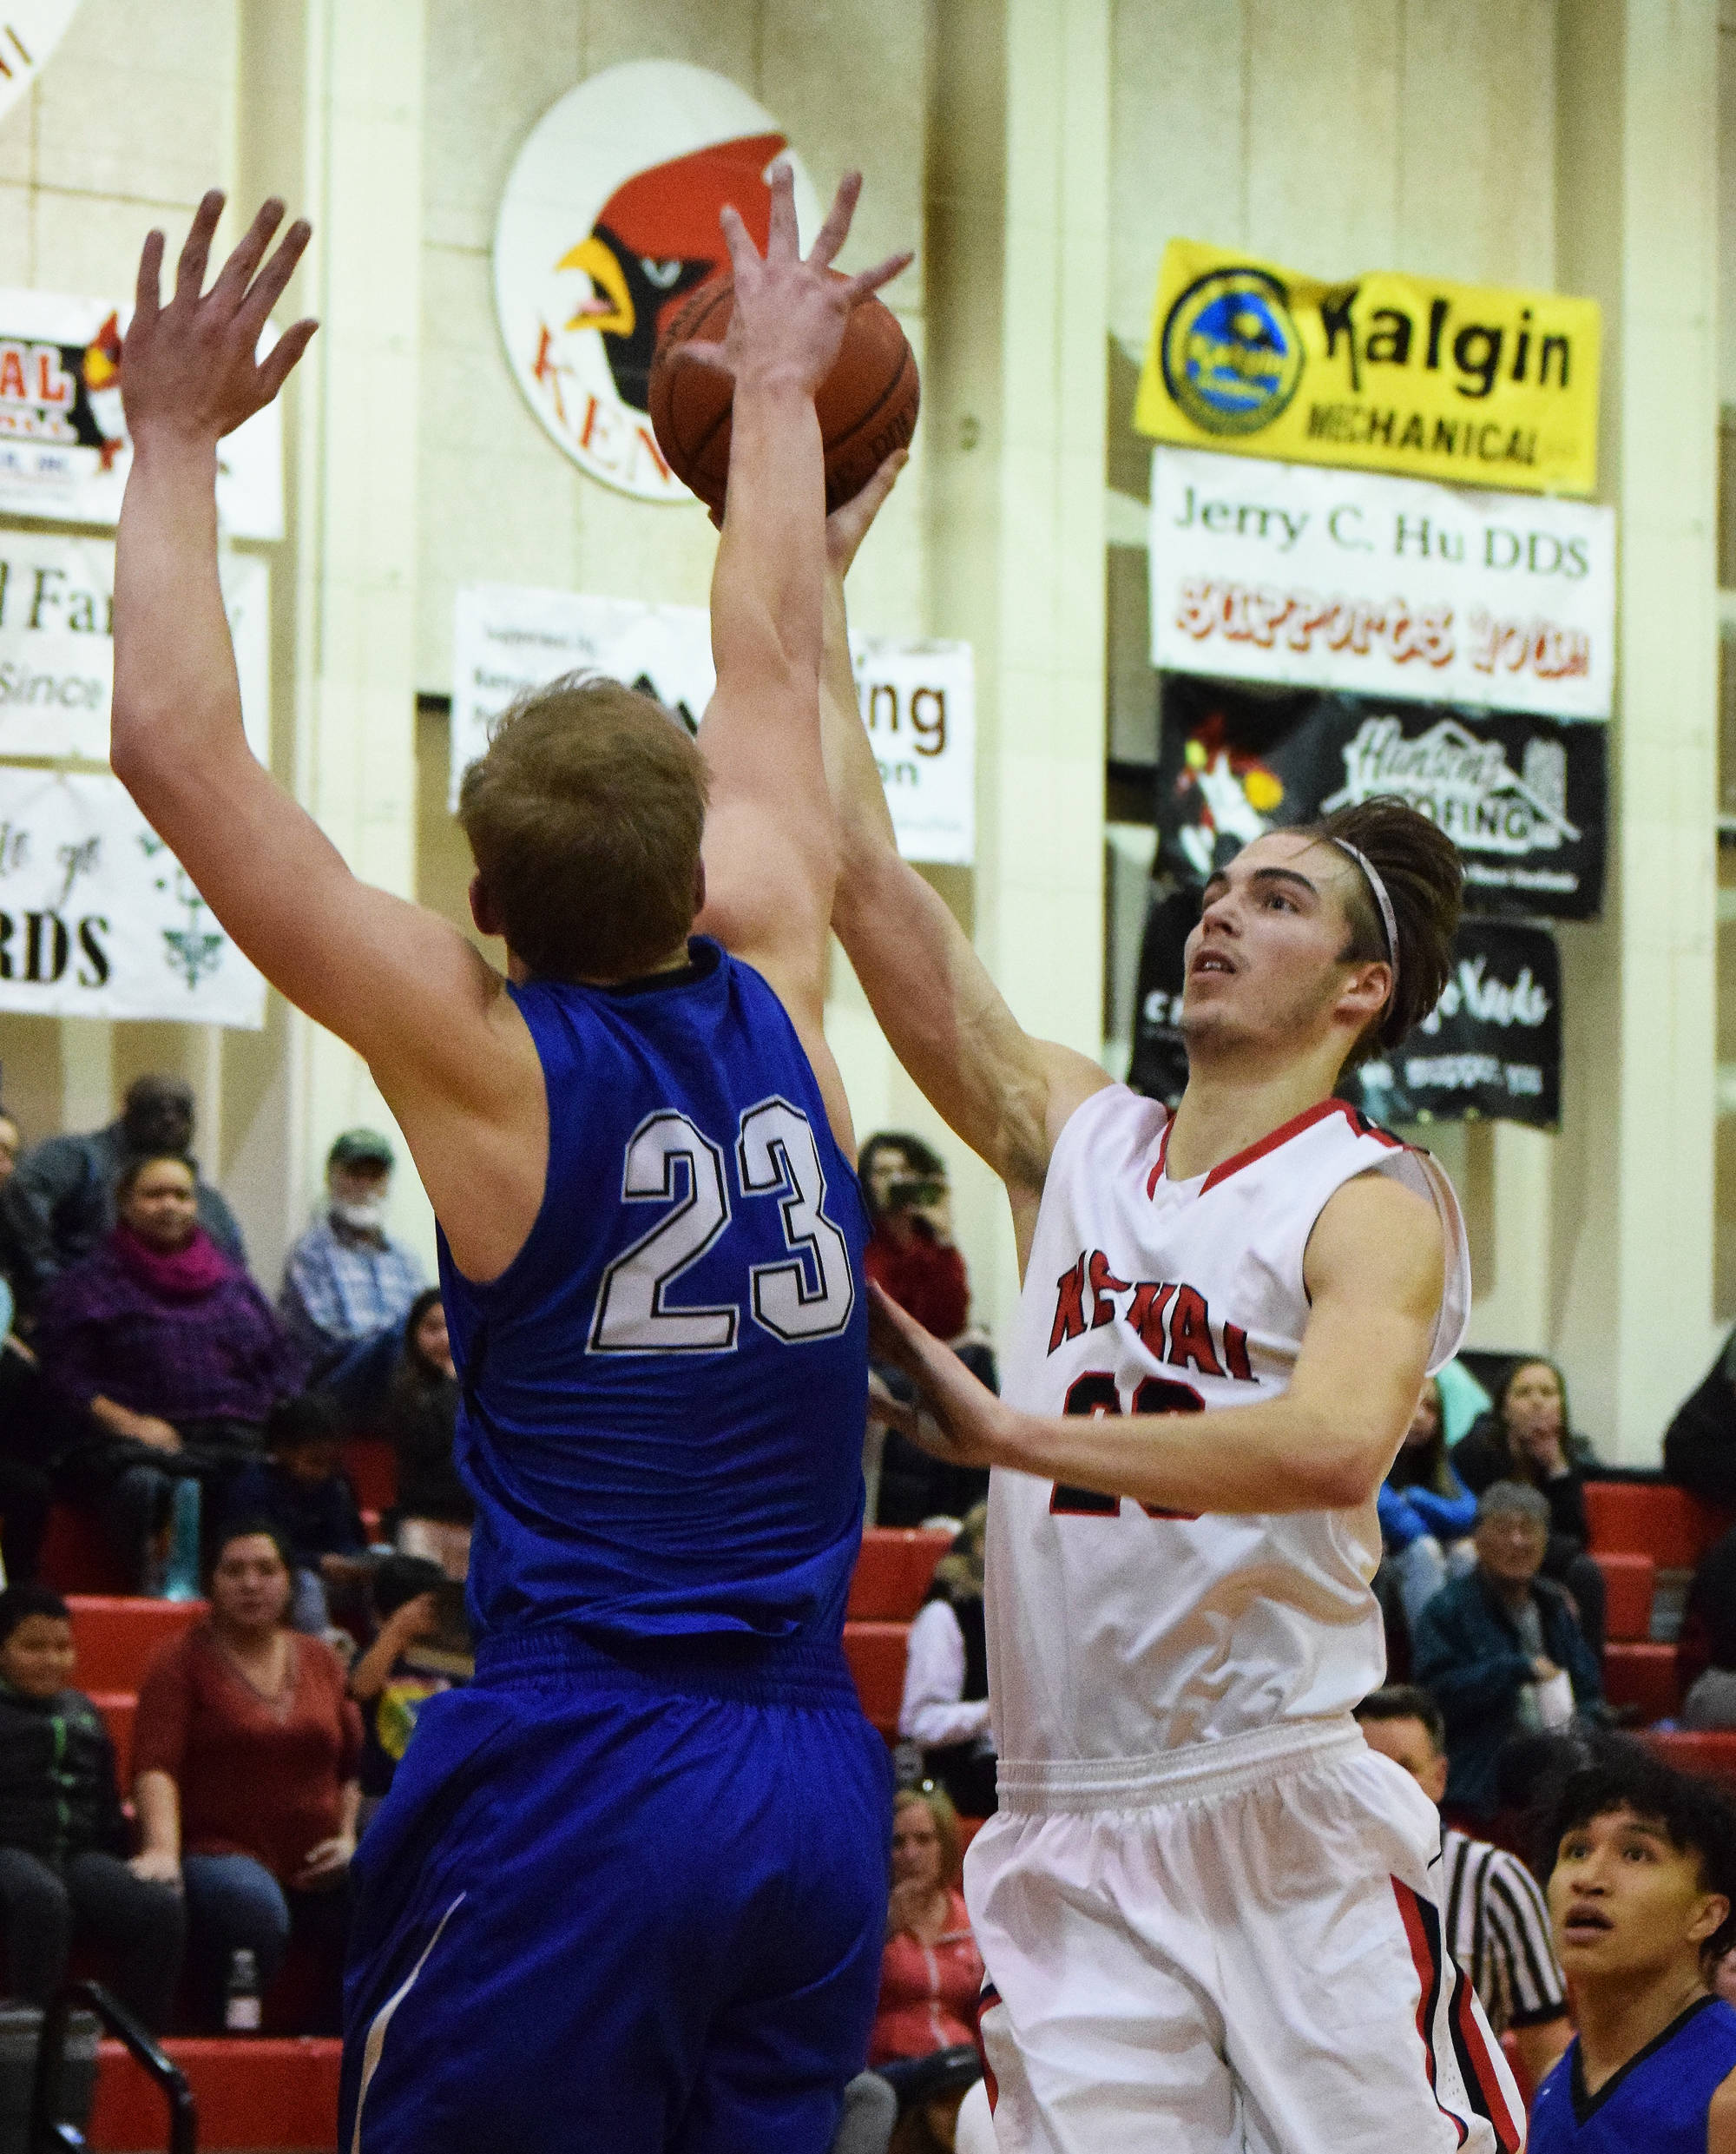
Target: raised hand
{"x": 790, "y": 315}
{"x": 190, "y": 369}
{"x": 848, "y": 524}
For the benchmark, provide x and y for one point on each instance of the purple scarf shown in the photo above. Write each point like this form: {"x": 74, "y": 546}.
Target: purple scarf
{"x": 173, "y": 1274}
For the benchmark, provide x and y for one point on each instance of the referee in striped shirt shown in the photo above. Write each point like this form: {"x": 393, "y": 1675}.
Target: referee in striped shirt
{"x": 1496, "y": 1925}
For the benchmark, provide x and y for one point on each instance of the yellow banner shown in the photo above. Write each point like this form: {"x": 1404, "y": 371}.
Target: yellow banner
{"x": 1392, "y": 372}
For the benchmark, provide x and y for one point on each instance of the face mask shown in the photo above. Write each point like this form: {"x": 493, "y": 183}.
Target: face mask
{"x": 364, "y": 1215}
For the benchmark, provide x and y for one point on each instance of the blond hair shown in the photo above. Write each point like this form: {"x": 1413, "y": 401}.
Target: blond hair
{"x": 584, "y": 819}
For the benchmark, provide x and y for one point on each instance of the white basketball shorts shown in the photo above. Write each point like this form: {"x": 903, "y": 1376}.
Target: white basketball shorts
{"x": 1234, "y": 1950}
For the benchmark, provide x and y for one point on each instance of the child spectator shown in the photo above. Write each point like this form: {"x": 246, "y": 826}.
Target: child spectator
{"x": 1642, "y": 1894}
{"x": 415, "y": 1657}
{"x": 63, "y": 1872}
{"x": 300, "y": 1490}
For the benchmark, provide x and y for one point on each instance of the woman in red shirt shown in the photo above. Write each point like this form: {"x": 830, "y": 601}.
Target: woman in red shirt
{"x": 246, "y": 1755}
{"x": 924, "y": 2041}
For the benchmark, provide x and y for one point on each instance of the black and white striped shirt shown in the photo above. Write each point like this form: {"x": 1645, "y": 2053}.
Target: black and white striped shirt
{"x": 1498, "y": 1929}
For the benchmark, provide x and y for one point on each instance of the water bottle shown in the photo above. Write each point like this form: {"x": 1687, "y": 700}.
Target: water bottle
{"x": 181, "y": 1576}
{"x": 241, "y": 1993}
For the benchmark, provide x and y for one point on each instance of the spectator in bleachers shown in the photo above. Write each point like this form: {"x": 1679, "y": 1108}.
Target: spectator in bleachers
{"x": 63, "y": 1870}
{"x": 1425, "y": 1509}
{"x": 246, "y": 1752}
{"x": 1501, "y": 1650}
{"x": 1497, "y": 1928}
{"x": 923, "y": 2041}
{"x": 347, "y": 1280}
{"x": 945, "y": 1704}
{"x": 912, "y": 1256}
{"x": 163, "y": 1355}
{"x": 61, "y": 1201}
{"x": 421, "y": 1649}
{"x": 300, "y": 1489}
{"x": 1528, "y": 1437}
{"x": 434, "y": 1508}
{"x": 1700, "y": 1444}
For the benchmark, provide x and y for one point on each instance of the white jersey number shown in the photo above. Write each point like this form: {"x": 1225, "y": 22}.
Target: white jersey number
{"x": 668, "y": 1156}
{"x": 776, "y": 1155}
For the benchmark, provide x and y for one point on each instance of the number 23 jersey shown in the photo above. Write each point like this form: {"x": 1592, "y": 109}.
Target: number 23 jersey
{"x": 1116, "y": 1635}
{"x": 663, "y": 1394}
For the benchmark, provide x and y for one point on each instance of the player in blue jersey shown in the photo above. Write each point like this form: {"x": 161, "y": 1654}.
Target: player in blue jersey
{"x": 1643, "y": 1901}
{"x": 628, "y": 1892}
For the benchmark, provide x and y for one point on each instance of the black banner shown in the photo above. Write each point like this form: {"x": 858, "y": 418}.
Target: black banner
{"x": 1521, "y": 797}
{"x": 1491, "y": 1047}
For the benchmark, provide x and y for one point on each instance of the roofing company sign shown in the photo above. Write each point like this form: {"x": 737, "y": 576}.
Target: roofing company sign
{"x": 609, "y": 221}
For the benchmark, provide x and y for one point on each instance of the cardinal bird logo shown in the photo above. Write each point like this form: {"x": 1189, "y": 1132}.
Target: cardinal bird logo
{"x": 656, "y": 238}
{"x": 609, "y": 221}
{"x": 102, "y": 371}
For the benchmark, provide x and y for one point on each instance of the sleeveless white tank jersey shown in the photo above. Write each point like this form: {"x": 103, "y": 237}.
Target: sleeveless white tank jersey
{"x": 1115, "y": 1636}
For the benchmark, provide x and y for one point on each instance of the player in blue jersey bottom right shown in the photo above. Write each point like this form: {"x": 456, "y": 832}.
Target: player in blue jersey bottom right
{"x": 1642, "y": 1898}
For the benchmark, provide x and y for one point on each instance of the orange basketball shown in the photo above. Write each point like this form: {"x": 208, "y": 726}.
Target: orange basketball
{"x": 866, "y": 406}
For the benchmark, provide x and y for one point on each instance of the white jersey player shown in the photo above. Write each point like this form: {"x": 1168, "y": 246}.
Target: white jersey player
{"x": 1205, "y": 1906}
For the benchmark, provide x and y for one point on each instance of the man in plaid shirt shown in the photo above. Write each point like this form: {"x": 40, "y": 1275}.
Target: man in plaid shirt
{"x": 347, "y": 1280}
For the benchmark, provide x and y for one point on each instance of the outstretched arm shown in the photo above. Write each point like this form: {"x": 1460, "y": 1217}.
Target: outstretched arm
{"x": 1373, "y": 1270}
{"x": 1007, "y": 1094}
{"x": 771, "y": 856}
{"x": 401, "y": 985}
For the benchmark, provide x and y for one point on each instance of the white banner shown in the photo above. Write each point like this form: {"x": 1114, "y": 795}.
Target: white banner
{"x": 1320, "y": 579}
{"x": 96, "y": 918}
{"x": 65, "y": 454}
{"x": 919, "y": 699}
{"x": 57, "y": 644}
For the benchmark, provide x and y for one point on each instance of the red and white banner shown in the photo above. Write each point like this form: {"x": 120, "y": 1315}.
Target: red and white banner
{"x": 1312, "y": 577}
{"x": 64, "y": 449}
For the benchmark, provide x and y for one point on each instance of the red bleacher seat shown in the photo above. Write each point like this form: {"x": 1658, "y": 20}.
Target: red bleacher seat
{"x": 1642, "y": 1675}
{"x": 251, "y": 2095}
{"x": 118, "y": 1638}
{"x": 893, "y": 1572}
{"x": 876, "y": 1653}
{"x": 1630, "y": 1583}
{"x": 372, "y": 1464}
{"x": 1692, "y": 1750}
{"x": 119, "y": 1709}
{"x": 76, "y": 1556}
{"x": 1649, "y": 1519}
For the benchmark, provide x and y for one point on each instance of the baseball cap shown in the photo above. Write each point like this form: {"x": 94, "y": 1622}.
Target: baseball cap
{"x": 360, "y": 1148}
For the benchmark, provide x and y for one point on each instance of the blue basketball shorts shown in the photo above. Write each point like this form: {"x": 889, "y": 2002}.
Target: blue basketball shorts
{"x": 620, "y": 1910}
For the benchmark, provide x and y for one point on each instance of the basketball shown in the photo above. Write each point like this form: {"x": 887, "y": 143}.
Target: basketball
{"x": 867, "y": 403}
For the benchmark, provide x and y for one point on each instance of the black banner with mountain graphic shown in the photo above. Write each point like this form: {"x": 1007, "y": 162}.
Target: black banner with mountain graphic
{"x": 1523, "y": 798}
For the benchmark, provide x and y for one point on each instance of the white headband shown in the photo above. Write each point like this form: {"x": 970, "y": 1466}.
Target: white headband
{"x": 1387, "y": 919}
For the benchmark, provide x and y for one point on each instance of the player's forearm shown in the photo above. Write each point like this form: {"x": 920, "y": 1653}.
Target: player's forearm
{"x": 177, "y": 699}
{"x": 852, "y": 773}
{"x": 1279, "y": 1456}
{"x": 767, "y": 588}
